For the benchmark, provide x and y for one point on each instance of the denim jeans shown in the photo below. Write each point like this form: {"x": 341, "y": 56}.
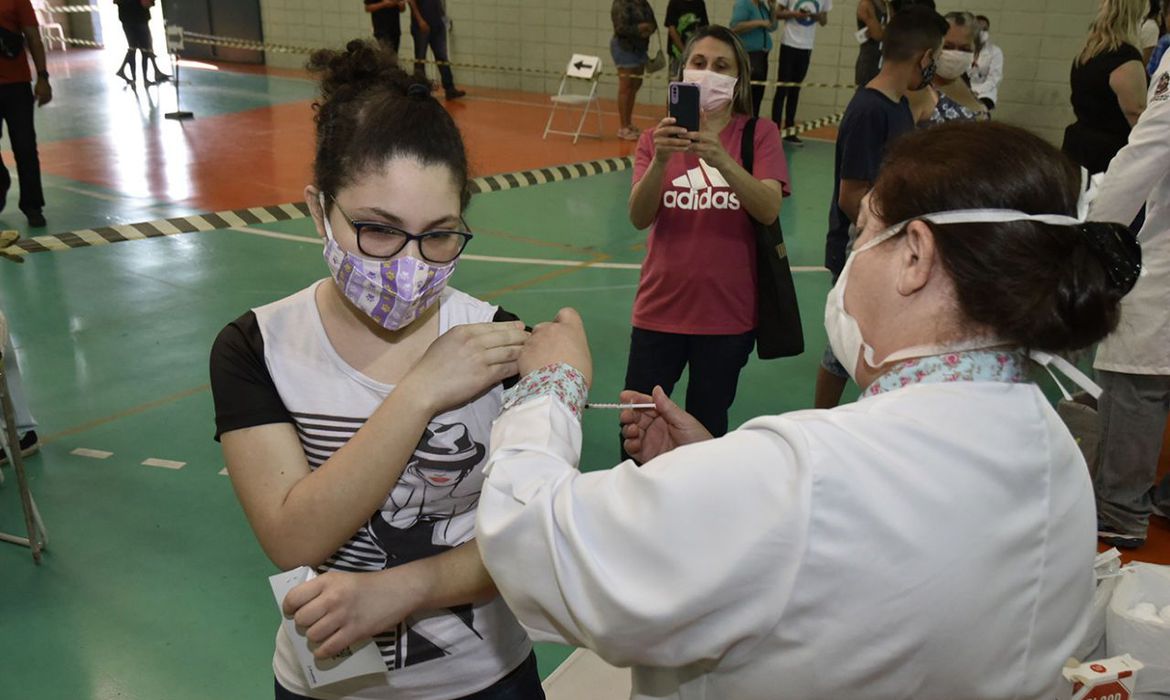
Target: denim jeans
{"x": 1133, "y": 410}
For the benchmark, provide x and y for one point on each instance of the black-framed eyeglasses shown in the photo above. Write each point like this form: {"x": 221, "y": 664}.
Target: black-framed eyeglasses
{"x": 376, "y": 239}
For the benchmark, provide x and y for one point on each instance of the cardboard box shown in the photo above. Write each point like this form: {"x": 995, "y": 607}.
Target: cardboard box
{"x": 1106, "y": 679}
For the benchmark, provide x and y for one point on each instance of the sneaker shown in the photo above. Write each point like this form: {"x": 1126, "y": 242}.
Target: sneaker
{"x": 1108, "y": 536}
{"x": 628, "y": 133}
{"x": 29, "y": 444}
{"x": 36, "y": 218}
{"x": 794, "y": 140}
{"x": 455, "y": 93}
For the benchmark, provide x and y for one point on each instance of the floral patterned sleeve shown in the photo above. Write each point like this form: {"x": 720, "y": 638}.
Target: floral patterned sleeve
{"x": 561, "y": 381}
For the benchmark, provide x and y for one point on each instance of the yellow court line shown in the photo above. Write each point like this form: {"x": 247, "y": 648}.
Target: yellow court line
{"x": 133, "y": 411}
{"x": 550, "y": 275}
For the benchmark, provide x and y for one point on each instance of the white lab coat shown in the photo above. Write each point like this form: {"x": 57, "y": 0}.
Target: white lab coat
{"x": 987, "y": 73}
{"x": 932, "y": 542}
{"x": 1140, "y": 173}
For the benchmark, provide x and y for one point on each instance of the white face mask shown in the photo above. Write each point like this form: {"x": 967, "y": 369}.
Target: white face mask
{"x": 845, "y": 334}
{"x": 715, "y": 89}
{"x": 952, "y": 64}
{"x": 984, "y": 37}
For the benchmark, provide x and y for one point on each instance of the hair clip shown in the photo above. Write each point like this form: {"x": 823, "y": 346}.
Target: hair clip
{"x": 1118, "y": 249}
{"x": 418, "y": 90}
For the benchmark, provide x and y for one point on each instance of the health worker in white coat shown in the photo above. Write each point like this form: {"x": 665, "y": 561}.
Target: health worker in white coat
{"x": 1133, "y": 364}
{"x": 933, "y": 540}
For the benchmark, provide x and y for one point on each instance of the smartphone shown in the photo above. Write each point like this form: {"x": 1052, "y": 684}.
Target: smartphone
{"x": 684, "y": 105}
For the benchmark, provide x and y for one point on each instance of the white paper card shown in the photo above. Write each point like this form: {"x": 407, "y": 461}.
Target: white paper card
{"x": 861, "y": 35}
{"x": 357, "y": 660}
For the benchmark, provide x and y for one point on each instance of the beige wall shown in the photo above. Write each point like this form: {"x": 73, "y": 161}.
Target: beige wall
{"x": 1039, "y": 39}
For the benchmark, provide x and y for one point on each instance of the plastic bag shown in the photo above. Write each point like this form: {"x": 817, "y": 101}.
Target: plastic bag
{"x": 1146, "y": 641}
{"x": 1106, "y": 566}
{"x": 1080, "y": 417}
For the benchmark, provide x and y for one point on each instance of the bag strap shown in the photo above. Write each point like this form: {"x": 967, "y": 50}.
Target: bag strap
{"x": 747, "y": 146}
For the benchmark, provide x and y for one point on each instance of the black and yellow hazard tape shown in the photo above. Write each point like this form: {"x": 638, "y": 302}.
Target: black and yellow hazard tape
{"x": 299, "y": 210}
{"x": 71, "y": 9}
{"x": 284, "y": 212}
{"x": 252, "y": 45}
{"x": 249, "y": 44}
{"x": 810, "y": 125}
{"x": 84, "y": 42}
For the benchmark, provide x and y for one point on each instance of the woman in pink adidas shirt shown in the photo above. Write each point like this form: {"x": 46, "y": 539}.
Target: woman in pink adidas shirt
{"x": 696, "y": 301}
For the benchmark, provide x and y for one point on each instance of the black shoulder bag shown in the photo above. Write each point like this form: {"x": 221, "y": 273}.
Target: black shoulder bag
{"x": 11, "y": 43}
{"x": 778, "y": 330}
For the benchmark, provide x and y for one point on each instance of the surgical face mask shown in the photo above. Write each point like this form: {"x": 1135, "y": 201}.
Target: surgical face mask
{"x": 392, "y": 292}
{"x": 984, "y": 37}
{"x": 845, "y": 333}
{"x": 953, "y": 64}
{"x": 715, "y": 89}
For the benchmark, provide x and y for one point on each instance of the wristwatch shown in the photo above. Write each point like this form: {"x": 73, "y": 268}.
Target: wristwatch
{"x": 43, "y": 74}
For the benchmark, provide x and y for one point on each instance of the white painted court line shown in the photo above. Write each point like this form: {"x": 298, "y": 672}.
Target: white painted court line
{"x": 278, "y": 235}
{"x": 92, "y": 454}
{"x": 164, "y": 463}
{"x": 493, "y": 258}
{"x": 223, "y": 472}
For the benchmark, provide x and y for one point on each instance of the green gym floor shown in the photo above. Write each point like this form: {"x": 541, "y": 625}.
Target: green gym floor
{"x": 153, "y": 586}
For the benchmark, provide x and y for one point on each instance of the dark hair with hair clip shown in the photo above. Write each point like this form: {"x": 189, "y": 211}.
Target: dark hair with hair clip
{"x": 370, "y": 112}
{"x": 1041, "y": 286}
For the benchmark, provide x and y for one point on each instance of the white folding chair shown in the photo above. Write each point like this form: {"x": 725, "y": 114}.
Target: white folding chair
{"x": 35, "y": 527}
{"x": 51, "y": 30}
{"x": 581, "y": 68}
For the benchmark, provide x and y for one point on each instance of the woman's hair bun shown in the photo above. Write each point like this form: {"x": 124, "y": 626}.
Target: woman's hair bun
{"x": 361, "y": 66}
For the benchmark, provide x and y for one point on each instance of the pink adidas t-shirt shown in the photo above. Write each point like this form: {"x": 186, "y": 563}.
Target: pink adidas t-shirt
{"x": 699, "y": 277}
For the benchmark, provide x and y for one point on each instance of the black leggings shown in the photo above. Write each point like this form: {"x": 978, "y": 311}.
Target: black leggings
{"x": 658, "y": 359}
{"x": 759, "y": 64}
{"x": 792, "y": 68}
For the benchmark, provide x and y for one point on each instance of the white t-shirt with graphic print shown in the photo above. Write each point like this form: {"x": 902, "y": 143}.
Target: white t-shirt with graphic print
{"x": 276, "y": 364}
{"x": 802, "y": 34}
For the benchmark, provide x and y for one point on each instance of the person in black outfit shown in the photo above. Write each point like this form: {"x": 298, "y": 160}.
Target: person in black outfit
{"x": 683, "y": 19}
{"x": 1108, "y": 86}
{"x": 428, "y": 27}
{"x": 135, "y": 18}
{"x": 384, "y": 16}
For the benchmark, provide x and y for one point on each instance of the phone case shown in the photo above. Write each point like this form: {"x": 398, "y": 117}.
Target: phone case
{"x": 683, "y": 105}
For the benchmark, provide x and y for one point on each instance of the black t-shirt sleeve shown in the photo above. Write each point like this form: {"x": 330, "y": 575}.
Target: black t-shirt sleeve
{"x": 241, "y": 386}
{"x": 672, "y": 13}
{"x": 864, "y": 144}
{"x": 503, "y": 316}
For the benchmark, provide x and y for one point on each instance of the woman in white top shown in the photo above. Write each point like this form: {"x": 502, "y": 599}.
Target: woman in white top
{"x": 1133, "y": 364}
{"x": 355, "y": 414}
{"x": 987, "y": 72}
{"x": 933, "y": 540}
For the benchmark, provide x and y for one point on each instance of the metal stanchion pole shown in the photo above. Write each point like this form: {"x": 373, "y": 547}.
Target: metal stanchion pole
{"x": 174, "y": 46}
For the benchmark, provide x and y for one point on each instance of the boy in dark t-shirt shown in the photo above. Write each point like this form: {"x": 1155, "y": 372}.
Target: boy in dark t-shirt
{"x": 876, "y": 115}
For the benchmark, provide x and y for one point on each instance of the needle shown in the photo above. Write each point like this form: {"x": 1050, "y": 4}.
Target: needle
{"x": 620, "y": 406}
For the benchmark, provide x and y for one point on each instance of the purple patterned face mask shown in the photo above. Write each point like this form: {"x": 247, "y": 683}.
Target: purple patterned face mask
{"x": 392, "y": 292}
